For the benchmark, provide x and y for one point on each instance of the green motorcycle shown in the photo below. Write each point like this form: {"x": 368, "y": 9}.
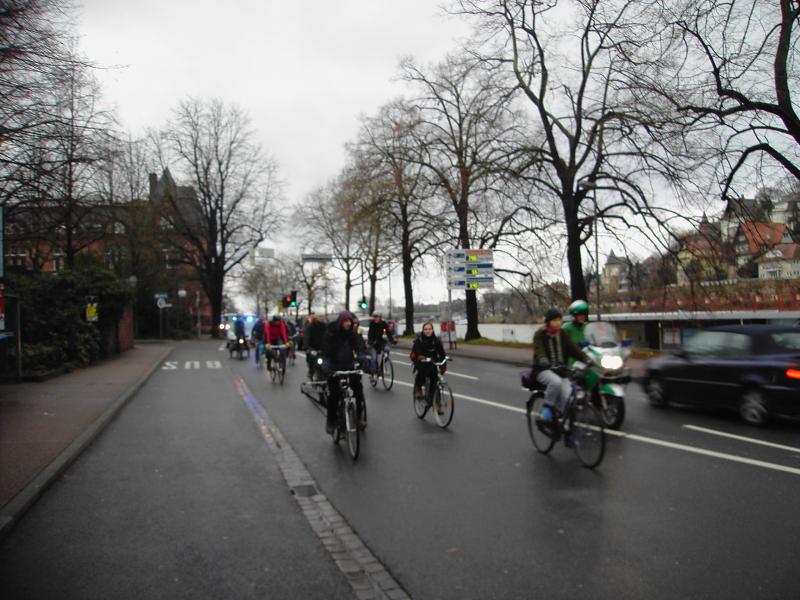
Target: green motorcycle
{"x": 606, "y": 378}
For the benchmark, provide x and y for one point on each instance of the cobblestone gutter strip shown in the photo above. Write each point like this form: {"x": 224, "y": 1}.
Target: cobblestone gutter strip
{"x": 367, "y": 576}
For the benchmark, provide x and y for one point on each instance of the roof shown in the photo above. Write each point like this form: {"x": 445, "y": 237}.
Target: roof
{"x": 760, "y": 234}
{"x": 781, "y": 252}
{"x": 615, "y": 260}
{"x": 743, "y": 209}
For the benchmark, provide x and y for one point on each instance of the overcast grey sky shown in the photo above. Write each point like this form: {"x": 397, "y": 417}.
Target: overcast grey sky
{"x": 303, "y": 70}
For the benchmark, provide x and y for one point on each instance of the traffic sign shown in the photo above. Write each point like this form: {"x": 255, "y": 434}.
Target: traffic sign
{"x": 158, "y": 295}
{"x": 470, "y": 269}
{"x": 161, "y": 303}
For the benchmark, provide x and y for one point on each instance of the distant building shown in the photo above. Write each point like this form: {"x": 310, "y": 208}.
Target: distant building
{"x": 780, "y": 262}
{"x": 615, "y": 274}
{"x": 752, "y": 240}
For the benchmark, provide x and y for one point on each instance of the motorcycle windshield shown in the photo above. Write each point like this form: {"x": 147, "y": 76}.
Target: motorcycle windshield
{"x": 601, "y": 334}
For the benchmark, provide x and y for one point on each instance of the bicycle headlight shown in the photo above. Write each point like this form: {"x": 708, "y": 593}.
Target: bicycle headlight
{"x": 612, "y": 363}
{"x": 319, "y": 361}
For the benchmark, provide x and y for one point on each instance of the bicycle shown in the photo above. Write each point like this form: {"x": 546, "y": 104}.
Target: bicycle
{"x": 278, "y": 370}
{"x": 580, "y": 427}
{"x": 347, "y": 414}
{"x": 292, "y": 349}
{"x": 385, "y": 369}
{"x": 441, "y": 398}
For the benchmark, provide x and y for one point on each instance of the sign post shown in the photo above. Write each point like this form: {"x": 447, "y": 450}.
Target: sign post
{"x": 467, "y": 269}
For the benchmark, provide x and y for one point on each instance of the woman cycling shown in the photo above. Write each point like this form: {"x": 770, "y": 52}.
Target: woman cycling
{"x": 426, "y": 346}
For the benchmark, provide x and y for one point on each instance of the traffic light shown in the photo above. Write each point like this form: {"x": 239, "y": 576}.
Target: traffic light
{"x": 293, "y": 299}
{"x": 363, "y": 303}
{"x": 286, "y": 300}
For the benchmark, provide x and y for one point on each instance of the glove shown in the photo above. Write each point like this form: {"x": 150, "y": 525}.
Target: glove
{"x": 266, "y": 346}
{"x": 289, "y": 345}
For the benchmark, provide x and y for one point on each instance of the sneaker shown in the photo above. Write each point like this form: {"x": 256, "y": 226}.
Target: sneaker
{"x": 547, "y": 414}
{"x": 438, "y": 406}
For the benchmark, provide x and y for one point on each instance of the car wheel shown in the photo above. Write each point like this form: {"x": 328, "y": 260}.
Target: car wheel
{"x": 753, "y": 407}
{"x": 655, "y": 391}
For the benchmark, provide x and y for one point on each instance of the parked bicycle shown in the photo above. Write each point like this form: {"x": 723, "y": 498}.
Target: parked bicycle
{"x": 440, "y": 398}
{"x": 580, "y": 427}
{"x": 384, "y": 370}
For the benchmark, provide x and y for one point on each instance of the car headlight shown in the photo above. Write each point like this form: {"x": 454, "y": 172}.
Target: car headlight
{"x": 612, "y": 363}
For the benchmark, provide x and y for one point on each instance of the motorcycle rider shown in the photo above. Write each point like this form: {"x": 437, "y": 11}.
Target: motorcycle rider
{"x": 377, "y": 329}
{"x": 275, "y": 334}
{"x": 580, "y": 316}
{"x": 342, "y": 347}
{"x": 552, "y": 347}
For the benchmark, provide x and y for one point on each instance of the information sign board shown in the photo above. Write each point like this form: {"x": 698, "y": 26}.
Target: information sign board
{"x": 470, "y": 269}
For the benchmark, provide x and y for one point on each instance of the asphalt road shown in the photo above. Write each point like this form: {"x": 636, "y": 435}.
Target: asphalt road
{"x": 182, "y": 486}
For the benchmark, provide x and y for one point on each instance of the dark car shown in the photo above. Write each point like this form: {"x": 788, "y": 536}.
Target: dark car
{"x": 754, "y": 369}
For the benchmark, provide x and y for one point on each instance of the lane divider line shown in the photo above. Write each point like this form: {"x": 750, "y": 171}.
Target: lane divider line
{"x": 742, "y": 438}
{"x": 647, "y": 440}
{"x": 355, "y": 560}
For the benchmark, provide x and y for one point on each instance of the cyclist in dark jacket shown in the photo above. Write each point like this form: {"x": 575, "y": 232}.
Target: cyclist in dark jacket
{"x": 552, "y": 347}
{"x": 341, "y": 349}
{"x": 377, "y": 329}
{"x": 313, "y": 340}
{"x": 426, "y": 345}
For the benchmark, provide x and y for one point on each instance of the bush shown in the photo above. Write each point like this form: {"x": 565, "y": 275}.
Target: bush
{"x": 53, "y": 311}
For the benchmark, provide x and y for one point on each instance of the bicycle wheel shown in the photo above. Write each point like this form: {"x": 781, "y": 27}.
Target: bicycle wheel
{"x": 420, "y": 404}
{"x": 387, "y": 373}
{"x": 444, "y": 405}
{"x": 274, "y": 370}
{"x": 353, "y": 435}
{"x": 542, "y": 432}
{"x": 362, "y": 415}
{"x": 282, "y": 368}
{"x": 588, "y": 435}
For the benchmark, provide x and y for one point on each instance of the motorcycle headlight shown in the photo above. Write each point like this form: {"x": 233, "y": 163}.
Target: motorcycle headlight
{"x": 612, "y": 363}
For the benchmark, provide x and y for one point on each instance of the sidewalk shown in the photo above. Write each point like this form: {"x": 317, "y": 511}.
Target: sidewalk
{"x": 45, "y": 426}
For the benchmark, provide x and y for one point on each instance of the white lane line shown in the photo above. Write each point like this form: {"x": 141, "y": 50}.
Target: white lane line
{"x": 449, "y": 372}
{"x": 648, "y": 440}
{"x": 742, "y": 438}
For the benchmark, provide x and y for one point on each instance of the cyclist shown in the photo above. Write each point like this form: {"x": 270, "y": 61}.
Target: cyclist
{"x": 580, "y": 316}
{"x": 341, "y": 348}
{"x": 257, "y": 335}
{"x": 552, "y": 346}
{"x": 313, "y": 341}
{"x": 275, "y": 334}
{"x": 426, "y": 345}
{"x": 377, "y": 329}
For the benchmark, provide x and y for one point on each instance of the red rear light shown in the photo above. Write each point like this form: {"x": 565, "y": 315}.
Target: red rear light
{"x": 793, "y": 373}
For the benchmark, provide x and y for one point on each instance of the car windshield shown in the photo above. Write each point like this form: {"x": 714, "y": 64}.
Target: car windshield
{"x": 787, "y": 340}
{"x": 601, "y": 334}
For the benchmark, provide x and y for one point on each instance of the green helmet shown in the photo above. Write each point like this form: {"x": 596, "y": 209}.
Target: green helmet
{"x": 579, "y": 307}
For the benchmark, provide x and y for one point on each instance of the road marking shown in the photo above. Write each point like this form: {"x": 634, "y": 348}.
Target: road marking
{"x": 362, "y": 569}
{"x": 741, "y": 438}
{"x": 192, "y": 364}
{"x": 169, "y": 365}
{"x": 647, "y": 440}
{"x": 453, "y": 373}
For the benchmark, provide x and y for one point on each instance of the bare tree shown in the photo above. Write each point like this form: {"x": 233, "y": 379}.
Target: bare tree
{"x": 237, "y": 191}
{"x": 330, "y": 224}
{"x": 592, "y": 152}
{"x": 465, "y": 115}
{"x": 733, "y": 74}
{"x": 389, "y": 142}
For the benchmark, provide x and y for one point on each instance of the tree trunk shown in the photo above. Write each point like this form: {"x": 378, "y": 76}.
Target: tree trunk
{"x": 408, "y": 292}
{"x": 472, "y": 332}
{"x": 577, "y": 283}
{"x": 214, "y": 292}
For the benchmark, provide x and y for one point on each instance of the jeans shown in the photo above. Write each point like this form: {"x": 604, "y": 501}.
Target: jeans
{"x": 557, "y": 389}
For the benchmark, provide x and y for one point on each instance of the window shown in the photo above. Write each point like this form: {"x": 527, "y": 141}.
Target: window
{"x": 58, "y": 260}
{"x": 786, "y": 340}
{"x": 705, "y": 344}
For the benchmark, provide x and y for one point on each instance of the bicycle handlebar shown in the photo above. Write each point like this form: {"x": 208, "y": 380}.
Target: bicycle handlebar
{"x": 438, "y": 364}
{"x": 344, "y": 373}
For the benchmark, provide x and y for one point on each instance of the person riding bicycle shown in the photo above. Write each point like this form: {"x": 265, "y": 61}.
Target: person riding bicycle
{"x": 580, "y": 316}
{"x": 313, "y": 341}
{"x": 341, "y": 348}
{"x": 257, "y": 335}
{"x": 275, "y": 334}
{"x": 426, "y": 346}
{"x": 377, "y": 329}
{"x": 552, "y": 347}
